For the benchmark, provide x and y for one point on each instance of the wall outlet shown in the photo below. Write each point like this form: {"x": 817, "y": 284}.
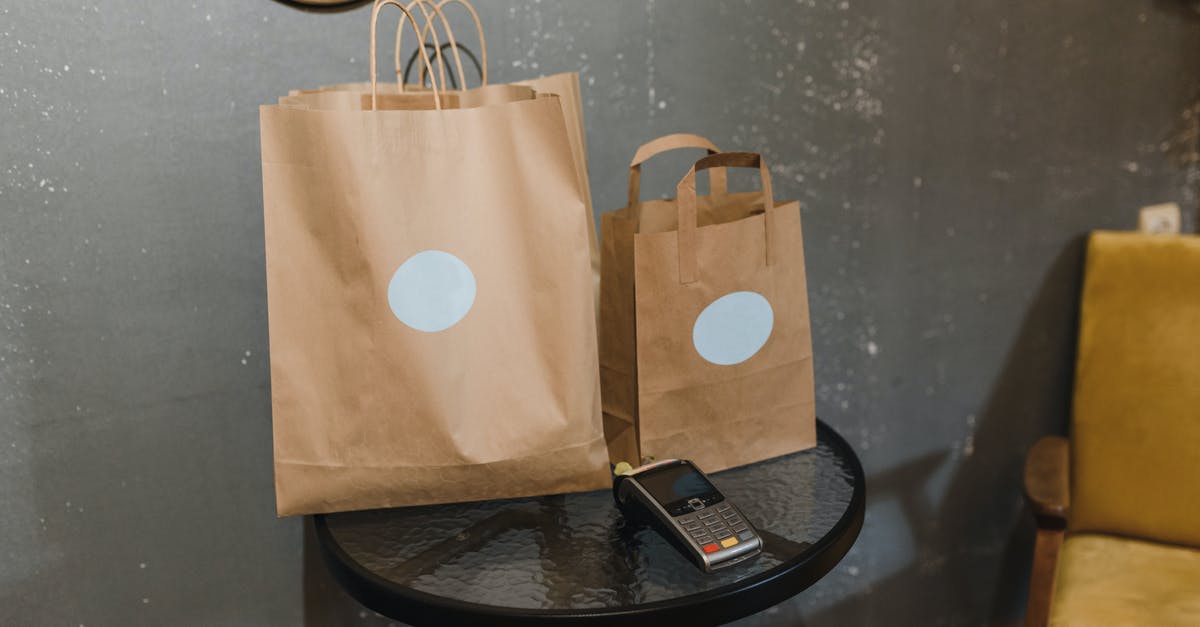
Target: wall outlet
{"x": 1164, "y": 219}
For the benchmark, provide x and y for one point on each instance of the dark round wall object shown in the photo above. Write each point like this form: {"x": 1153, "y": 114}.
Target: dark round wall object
{"x": 324, "y": 6}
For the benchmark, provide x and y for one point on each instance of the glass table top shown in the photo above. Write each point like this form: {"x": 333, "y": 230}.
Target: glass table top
{"x": 576, "y": 552}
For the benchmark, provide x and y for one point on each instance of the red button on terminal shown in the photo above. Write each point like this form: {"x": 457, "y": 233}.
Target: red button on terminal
{"x": 711, "y": 548}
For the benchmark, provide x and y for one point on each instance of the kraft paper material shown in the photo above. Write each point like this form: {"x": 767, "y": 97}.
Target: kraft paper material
{"x": 370, "y": 411}
{"x": 564, "y": 85}
{"x": 661, "y": 397}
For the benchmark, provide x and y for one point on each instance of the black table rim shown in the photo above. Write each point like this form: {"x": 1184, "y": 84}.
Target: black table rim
{"x": 719, "y": 605}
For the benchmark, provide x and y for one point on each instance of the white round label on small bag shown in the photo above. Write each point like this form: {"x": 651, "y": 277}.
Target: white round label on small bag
{"x": 432, "y": 291}
{"x": 733, "y": 328}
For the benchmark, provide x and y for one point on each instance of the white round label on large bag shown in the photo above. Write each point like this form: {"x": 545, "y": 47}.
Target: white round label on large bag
{"x": 733, "y": 328}
{"x": 432, "y": 291}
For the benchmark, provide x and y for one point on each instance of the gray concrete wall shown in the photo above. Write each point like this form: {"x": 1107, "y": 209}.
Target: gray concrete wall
{"x": 950, "y": 156}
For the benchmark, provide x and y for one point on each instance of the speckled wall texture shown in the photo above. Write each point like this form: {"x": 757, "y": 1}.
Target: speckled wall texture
{"x": 950, "y": 157}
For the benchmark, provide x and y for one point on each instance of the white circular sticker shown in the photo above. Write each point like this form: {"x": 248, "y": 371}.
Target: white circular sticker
{"x": 733, "y": 328}
{"x": 432, "y": 291}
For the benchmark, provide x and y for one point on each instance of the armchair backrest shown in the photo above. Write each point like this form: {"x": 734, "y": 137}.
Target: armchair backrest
{"x": 1135, "y": 441}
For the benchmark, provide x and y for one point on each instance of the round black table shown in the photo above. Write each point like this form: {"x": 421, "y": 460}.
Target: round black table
{"x": 573, "y": 558}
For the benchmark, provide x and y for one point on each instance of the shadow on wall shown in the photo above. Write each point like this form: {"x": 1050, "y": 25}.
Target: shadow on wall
{"x": 1184, "y": 142}
{"x": 1181, "y": 8}
{"x": 1030, "y": 399}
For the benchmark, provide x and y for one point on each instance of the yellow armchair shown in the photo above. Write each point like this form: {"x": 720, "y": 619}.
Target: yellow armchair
{"x": 1118, "y": 506}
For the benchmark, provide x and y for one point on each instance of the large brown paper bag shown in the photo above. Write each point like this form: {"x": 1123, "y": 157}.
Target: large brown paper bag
{"x": 428, "y": 279}
{"x": 719, "y": 337}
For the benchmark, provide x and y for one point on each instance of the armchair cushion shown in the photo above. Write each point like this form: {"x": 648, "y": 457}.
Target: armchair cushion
{"x": 1135, "y": 443}
{"x": 1106, "y": 580}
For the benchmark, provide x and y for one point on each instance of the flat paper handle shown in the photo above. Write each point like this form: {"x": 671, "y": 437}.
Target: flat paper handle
{"x": 379, "y": 4}
{"x": 425, "y": 31}
{"x": 483, "y": 66}
{"x": 685, "y": 195}
{"x": 667, "y": 143}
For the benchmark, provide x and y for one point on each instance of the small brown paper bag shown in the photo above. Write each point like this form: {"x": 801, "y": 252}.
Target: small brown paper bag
{"x": 706, "y": 348}
{"x": 429, "y": 301}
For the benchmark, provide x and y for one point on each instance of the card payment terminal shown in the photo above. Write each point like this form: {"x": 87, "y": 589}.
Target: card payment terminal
{"x": 688, "y": 510}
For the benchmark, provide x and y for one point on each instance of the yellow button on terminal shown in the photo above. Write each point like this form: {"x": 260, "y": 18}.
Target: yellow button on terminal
{"x": 728, "y": 542}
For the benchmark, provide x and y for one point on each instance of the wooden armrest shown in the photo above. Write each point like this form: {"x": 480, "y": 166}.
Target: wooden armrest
{"x": 1048, "y": 490}
{"x": 1048, "y": 480}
